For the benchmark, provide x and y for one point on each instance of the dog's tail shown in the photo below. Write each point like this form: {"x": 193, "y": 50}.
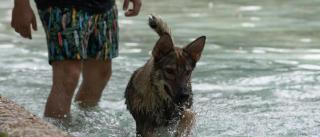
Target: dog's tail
{"x": 158, "y": 25}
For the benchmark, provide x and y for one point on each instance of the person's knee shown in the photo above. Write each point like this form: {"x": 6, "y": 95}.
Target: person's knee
{"x": 72, "y": 74}
{"x": 66, "y": 76}
{"x": 105, "y": 72}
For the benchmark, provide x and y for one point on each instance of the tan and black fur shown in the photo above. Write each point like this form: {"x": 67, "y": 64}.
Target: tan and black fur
{"x": 159, "y": 94}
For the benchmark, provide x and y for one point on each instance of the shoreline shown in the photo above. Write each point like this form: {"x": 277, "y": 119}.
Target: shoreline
{"x": 16, "y": 121}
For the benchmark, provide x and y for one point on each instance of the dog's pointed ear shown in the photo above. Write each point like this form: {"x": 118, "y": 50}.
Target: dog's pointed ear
{"x": 195, "y": 48}
{"x": 163, "y": 46}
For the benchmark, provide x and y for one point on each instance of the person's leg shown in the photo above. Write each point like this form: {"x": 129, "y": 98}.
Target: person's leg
{"x": 65, "y": 78}
{"x": 102, "y": 46}
{"x": 96, "y": 74}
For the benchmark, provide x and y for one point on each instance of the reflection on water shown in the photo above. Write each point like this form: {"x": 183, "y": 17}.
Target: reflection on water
{"x": 259, "y": 74}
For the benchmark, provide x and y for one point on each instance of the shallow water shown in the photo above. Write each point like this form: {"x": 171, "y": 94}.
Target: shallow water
{"x": 259, "y": 74}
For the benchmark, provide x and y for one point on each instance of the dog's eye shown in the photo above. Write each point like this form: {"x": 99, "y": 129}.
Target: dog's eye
{"x": 188, "y": 72}
{"x": 170, "y": 70}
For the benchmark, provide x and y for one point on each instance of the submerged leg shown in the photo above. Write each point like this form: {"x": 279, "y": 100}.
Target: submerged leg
{"x": 96, "y": 74}
{"x": 65, "y": 79}
{"x": 185, "y": 124}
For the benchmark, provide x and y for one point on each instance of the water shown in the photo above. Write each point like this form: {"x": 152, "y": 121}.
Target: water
{"x": 259, "y": 74}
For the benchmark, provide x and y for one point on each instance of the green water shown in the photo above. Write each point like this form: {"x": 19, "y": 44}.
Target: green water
{"x": 259, "y": 75}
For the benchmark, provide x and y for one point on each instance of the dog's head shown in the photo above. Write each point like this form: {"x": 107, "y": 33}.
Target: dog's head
{"x": 174, "y": 66}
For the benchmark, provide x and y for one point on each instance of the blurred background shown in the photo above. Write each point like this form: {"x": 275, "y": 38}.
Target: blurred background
{"x": 259, "y": 74}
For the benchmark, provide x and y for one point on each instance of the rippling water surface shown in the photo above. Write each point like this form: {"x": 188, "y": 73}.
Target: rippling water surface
{"x": 259, "y": 74}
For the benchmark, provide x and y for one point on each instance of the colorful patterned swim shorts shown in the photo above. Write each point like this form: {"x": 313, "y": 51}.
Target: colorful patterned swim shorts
{"x": 74, "y": 34}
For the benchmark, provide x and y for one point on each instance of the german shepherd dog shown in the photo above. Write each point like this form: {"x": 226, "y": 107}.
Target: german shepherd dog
{"x": 159, "y": 94}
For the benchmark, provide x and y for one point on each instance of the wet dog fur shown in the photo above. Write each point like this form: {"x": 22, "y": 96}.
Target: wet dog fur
{"x": 159, "y": 94}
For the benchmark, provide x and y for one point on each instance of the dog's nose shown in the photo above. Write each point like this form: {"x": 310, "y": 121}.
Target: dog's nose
{"x": 184, "y": 95}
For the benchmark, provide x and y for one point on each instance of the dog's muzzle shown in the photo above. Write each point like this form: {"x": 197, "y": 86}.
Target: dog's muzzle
{"x": 183, "y": 95}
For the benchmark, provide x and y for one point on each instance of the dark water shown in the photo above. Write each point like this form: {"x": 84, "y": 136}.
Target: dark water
{"x": 259, "y": 74}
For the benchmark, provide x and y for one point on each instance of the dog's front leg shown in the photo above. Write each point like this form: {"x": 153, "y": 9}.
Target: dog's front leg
{"x": 144, "y": 130}
{"x": 185, "y": 124}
